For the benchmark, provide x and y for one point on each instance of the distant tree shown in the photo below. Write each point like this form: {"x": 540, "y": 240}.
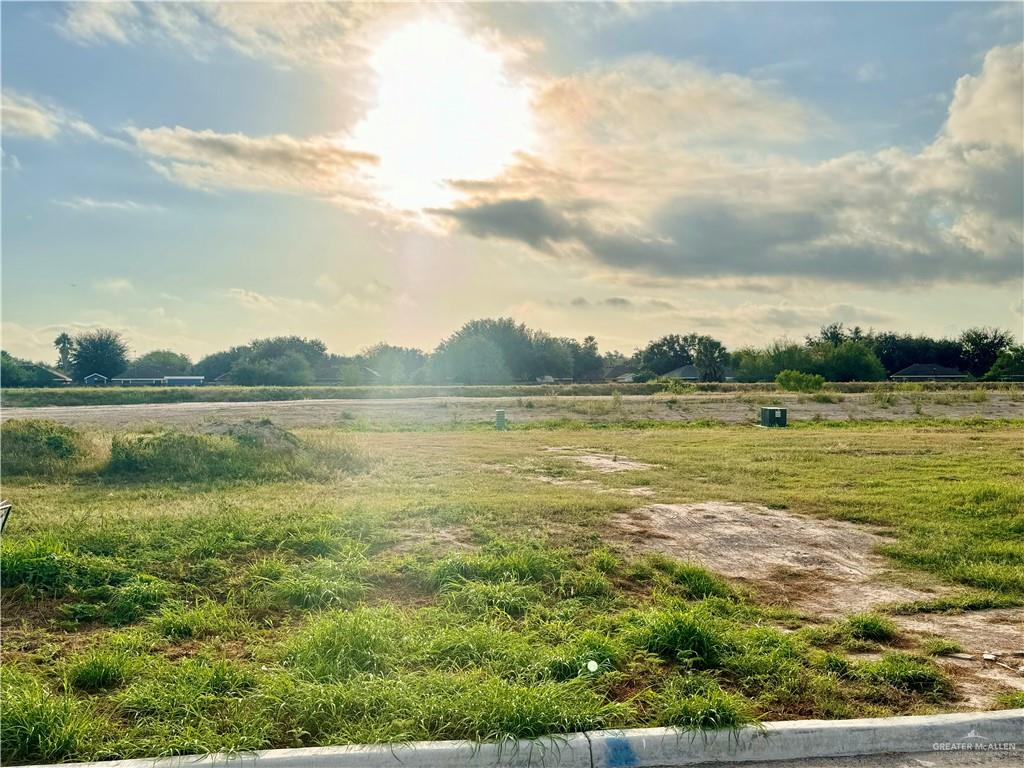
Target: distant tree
{"x": 313, "y": 350}
{"x": 587, "y": 363}
{"x": 101, "y": 351}
{"x": 12, "y": 371}
{"x": 833, "y": 334}
{"x": 65, "y": 346}
{"x": 980, "y": 347}
{"x": 159, "y": 362}
{"x": 667, "y": 353}
{"x": 847, "y": 361}
{"x": 1009, "y": 366}
{"x": 473, "y": 360}
{"x": 289, "y": 369}
{"x": 551, "y": 356}
{"x": 217, "y": 364}
{"x": 396, "y": 365}
{"x": 710, "y": 358}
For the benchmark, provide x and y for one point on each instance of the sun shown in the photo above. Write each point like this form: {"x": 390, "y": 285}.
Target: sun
{"x": 444, "y": 109}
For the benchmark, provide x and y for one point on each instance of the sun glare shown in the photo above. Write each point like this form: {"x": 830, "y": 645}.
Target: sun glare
{"x": 444, "y": 109}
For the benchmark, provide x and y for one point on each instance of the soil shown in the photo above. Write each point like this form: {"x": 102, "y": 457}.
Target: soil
{"x": 825, "y": 569}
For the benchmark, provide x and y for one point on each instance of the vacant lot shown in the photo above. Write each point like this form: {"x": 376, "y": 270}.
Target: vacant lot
{"x": 540, "y": 410}
{"x": 238, "y": 586}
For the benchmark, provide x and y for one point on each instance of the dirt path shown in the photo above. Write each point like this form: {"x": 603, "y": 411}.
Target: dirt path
{"x": 730, "y": 408}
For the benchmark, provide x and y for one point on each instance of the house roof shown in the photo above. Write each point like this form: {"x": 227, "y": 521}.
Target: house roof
{"x": 56, "y": 374}
{"x": 620, "y": 370}
{"x": 683, "y": 372}
{"x": 95, "y": 375}
{"x": 928, "y": 369}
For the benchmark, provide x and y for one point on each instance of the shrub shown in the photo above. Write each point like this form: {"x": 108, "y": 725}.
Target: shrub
{"x": 39, "y": 448}
{"x": 797, "y": 381}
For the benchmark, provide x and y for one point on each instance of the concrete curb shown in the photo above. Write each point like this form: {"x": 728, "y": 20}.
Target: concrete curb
{"x": 646, "y": 747}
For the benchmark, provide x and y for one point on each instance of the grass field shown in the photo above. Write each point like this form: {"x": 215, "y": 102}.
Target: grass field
{"x": 114, "y": 395}
{"x": 237, "y": 586}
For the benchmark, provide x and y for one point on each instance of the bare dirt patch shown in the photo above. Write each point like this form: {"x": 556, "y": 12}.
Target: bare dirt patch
{"x": 999, "y": 632}
{"x": 824, "y": 567}
{"x": 602, "y": 462}
{"x": 828, "y": 568}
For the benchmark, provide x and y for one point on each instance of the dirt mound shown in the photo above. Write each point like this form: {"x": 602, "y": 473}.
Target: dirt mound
{"x": 825, "y": 567}
{"x": 256, "y": 433}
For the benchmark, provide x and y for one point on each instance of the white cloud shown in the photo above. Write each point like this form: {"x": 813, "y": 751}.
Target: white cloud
{"x": 319, "y": 166}
{"x": 92, "y": 204}
{"x": 24, "y": 116}
{"x": 987, "y": 108}
{"x": 949, "y": 213}
{"x": 649, "y": 99}
{"x": 287, "y": 33}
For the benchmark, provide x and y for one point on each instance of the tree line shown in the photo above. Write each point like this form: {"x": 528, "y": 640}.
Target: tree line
{"x": 500, "y": 350}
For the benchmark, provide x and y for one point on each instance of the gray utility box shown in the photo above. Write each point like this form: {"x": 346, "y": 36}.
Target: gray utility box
{"x": 773, "y": 417}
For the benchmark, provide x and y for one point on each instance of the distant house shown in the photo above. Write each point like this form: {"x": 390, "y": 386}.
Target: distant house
{"x": 56, "y": 377}
{"x": 95, "y": 379}
{"x": 928, "y": 372}
{"x": 690, "y": 373}
{"x": 683, "y": 373}
{"x": 136, "y": 381}
{"x": 183, "y": 381}
{"x": 623, "y": 374}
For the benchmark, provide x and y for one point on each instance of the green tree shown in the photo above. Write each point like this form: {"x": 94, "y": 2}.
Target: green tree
{"x": 1009, "y": 366}
{"x": 979, "y": 348}
{"x": 289, "y": 369}
{"x": 101, "y": 351}
{"x": 65, "y": 346}
{"x": 847, "y": 361}
{"x": 710, "y": 358}
{"x": 667, "y": 353}
{"x": 587, "y": 363}
{"x": 159, "y": 362}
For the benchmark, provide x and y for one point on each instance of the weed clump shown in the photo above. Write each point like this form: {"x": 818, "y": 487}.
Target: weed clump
{"x": 479, "y": 598}
{"x": 871, "y": 626}
{"x": 341, "y": 644}
{"x": 43, "y": 726}
{"x": 906, "y": 673}
{"x": 180, "y": 621}
{"x": 41, "y": 448}
{"x": 683, "y": 636}
{"x": 97, "y": 670}
{"x": 697, "y": 703}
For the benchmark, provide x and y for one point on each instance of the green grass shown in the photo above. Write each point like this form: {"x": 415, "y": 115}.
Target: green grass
{"x": 422, "y": 592}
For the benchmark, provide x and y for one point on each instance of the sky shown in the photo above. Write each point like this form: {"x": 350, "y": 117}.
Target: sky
{"x": 198, "y": 175}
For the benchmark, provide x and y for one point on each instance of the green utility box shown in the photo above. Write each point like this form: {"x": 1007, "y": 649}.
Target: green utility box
{"x": 773, "y": 417}
{"x": 499, "y": 418}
